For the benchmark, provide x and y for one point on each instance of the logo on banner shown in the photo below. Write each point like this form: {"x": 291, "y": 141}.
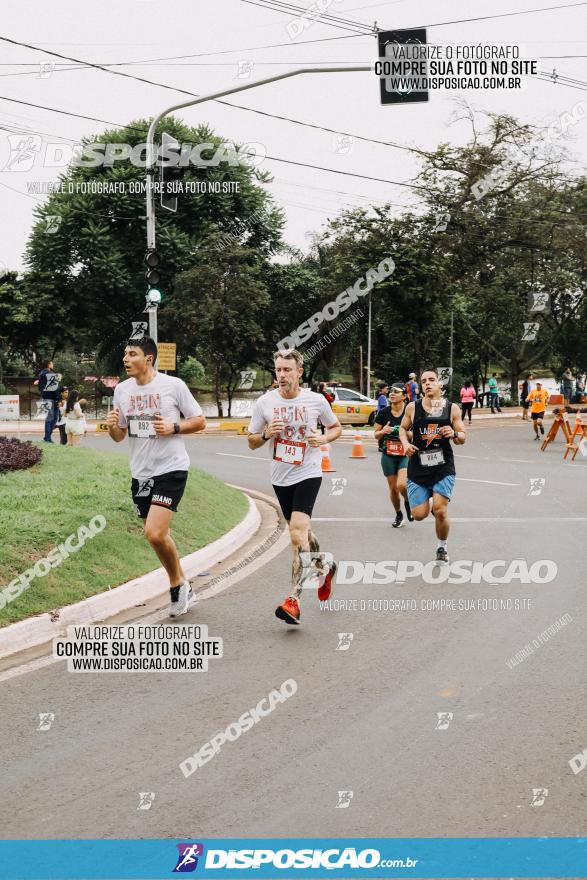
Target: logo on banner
{"x": 187, "y": 860}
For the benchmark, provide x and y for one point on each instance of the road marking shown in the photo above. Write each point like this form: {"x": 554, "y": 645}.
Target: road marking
{"x": 492, "y": 482}
{"x": 458, "y": 519}
{"x": 235, "y": 455}
{"x": 519, "y": 460}
{"x": 255, "y": 563}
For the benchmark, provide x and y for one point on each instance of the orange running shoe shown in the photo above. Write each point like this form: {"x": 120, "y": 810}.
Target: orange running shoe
{"x": 289, "y": 611}
{"x": 325, "y": 589}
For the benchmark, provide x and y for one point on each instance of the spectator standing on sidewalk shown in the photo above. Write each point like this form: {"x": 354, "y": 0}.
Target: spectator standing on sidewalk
{"x": 527, "y": 387}
{"x": 468, "y": 397}
{"x": 323, "y": 390}
{"x": 412, "y": 388}
{"x": 382, "y": 392}
{"x": 49, "y": 390}
{"x": 75, "y": 423}
{"x": 567, "y": 384}
{"x": 61, "y": 421}
{"x": 494, "y": 394}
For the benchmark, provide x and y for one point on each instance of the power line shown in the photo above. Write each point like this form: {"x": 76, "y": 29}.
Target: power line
{"x": 504, "y": 14}
{"x": 272, "y": 158}
{"x": 359, "y": 28}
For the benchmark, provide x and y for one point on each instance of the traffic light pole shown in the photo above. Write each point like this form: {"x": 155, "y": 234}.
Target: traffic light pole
{"x": 150, "y": 158}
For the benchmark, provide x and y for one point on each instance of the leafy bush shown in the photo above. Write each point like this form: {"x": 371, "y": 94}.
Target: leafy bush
{"x": 191, "y": 371}
{"x": 16, "y": 455}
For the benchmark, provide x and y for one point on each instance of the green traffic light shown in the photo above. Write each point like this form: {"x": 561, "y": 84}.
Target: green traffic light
{"x": 154, "y": 295}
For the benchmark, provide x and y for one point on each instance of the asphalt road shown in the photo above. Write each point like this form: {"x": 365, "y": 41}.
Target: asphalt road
{"x": 363, "y": 720}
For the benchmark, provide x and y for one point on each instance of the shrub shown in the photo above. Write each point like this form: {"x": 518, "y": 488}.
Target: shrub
{"x": 16, "y": 455}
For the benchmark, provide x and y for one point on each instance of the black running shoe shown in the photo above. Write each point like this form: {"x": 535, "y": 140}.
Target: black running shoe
{"x": 408, "y": 511}
{"x": 542, "y": 430}
{"x": 441, "y": 556}
{"x": 398, "y": 521}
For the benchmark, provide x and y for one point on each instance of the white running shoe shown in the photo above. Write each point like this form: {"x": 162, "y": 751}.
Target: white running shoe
{"x": 181, "y": 599}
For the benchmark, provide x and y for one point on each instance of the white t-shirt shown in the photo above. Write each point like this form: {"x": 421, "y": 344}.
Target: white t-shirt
{"x": 300, "y": 414}
{"x": 150, "y": 455}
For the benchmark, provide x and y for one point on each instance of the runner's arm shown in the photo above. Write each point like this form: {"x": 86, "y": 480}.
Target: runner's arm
{"x": 261, "y": 430}
{"x": 257, "y": 440}
{"x": 192, "y": 425}
{"x": 380, "y": 428}
{"x": 116, "y": 432}
{"x": 332, "y": 433}
{"x": 330, "y": 422}
{"x": 405, "y": 427}
{"x": 458, "y": 427}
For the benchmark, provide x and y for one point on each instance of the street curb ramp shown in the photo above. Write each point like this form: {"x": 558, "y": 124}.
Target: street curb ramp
{"x": 42, "y": 629}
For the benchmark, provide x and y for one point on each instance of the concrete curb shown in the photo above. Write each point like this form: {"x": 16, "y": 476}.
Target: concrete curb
{"x": 98, "y": 426}
{"x": 40, "y": 630}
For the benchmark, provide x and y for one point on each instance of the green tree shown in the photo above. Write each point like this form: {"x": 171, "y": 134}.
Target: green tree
{"x": 95, "y": 258}
{"x": 217, "y": 312}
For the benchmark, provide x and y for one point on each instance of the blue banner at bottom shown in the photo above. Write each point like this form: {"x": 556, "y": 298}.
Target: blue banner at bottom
{"x": 293, "y": 857}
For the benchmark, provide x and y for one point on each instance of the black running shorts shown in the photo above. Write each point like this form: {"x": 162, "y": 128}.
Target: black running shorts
{"x": 301, "y": 496}
{"x": 539, "y": 415}
{"x": 166, "y": 490}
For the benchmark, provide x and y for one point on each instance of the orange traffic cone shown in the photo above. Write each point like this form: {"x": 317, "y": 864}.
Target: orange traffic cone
{"x": 358, "y": 450}
{"x": 326, "y": 465}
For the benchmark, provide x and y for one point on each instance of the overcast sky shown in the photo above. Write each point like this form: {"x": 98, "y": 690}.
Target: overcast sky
{"x": 137, "y": 30}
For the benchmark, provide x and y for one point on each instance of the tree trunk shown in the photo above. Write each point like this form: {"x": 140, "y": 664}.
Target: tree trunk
{"x": 217, "y": 391}
{"x": 230, "y": 389}
{"x": 514, "y": 372}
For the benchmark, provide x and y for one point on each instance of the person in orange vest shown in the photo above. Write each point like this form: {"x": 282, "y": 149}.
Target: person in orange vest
{"x": 538, "y": 400}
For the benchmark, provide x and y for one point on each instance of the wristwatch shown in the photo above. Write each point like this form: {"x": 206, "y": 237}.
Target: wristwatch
{"x": 264, "y": 437}
{"x": 176, "y": 427}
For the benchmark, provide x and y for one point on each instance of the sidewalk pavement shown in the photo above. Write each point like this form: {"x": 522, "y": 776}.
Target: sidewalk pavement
{"x": 215, "y": 426}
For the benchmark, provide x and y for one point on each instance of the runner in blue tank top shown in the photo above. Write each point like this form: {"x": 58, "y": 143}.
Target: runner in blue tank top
{"x": 434, "y": 423}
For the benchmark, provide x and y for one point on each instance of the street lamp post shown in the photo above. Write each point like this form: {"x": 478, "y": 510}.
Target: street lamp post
{"x": 150, "y": 157}
{"x": 369, "y": 350}
{"x": 452, "y": 330}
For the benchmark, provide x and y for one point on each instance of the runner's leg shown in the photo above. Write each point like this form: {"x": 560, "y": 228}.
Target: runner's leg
{"x": 535, "y": 426}
{"x": 299, "y": 532}
{"x": 394, "y": 494}
{"x": 440, "y": 512}
{"x": 159, "y": 537}
{"x": 419, "y": 499}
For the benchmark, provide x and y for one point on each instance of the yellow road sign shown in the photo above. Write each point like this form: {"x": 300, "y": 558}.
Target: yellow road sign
{"x": 166, "y": 355}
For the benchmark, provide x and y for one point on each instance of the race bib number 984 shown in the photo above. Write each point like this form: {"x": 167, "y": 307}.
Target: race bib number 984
{"x": 432, "y": 457}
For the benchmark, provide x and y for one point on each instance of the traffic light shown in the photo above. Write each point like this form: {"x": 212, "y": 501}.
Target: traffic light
{"x": 152, "y": 275}
{"x": 390, "y": 44}
{"x": 171, "y": 172}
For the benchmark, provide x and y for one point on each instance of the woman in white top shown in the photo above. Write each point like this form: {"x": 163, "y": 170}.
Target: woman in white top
{"x": 61, "y": 421}
{"x": 75, "y": 423}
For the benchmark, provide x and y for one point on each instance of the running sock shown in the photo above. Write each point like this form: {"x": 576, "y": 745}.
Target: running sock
{"x": 442, "y": 544}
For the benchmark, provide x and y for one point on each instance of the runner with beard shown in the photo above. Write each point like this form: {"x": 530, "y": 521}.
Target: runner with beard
{"x": 393, "y": 459}
{"x": 434, "y": 423}
{"x": 287, "y": 418}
